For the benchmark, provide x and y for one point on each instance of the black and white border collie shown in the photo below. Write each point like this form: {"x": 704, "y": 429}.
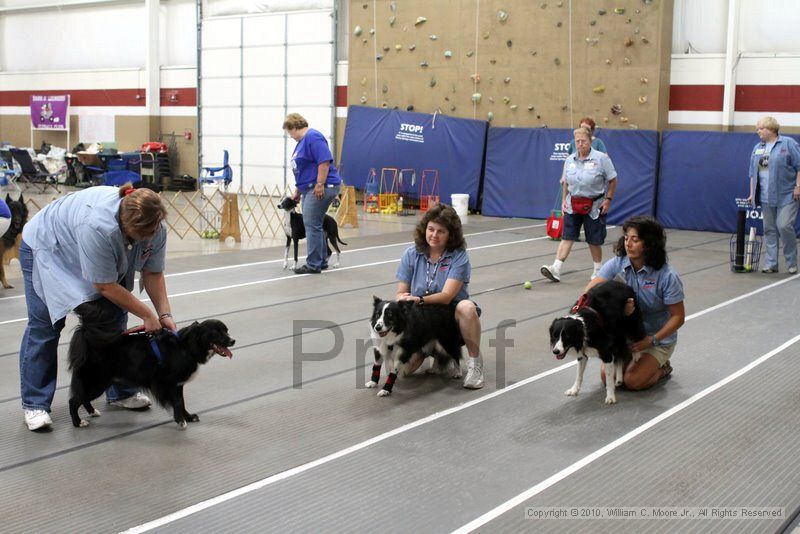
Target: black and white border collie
{"x": 598, "y": 326}
{"x": 400, "y": 329}
{"x": 295, "y": 230}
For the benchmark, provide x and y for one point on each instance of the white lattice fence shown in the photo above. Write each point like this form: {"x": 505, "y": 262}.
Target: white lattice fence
{"x": 195, "y": 213}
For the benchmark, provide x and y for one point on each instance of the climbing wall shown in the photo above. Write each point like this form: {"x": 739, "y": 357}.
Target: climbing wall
{"x": 523, "y": 63}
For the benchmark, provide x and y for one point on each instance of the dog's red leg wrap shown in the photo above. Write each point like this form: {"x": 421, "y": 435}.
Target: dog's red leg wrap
{"x": 390, "y": 382}
{"x": 376, "y": 373}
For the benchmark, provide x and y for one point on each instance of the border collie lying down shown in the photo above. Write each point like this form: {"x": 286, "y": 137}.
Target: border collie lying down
{"x": 598, "y": 326}
{"x": 295, "y": 230}
{"x": 163, "y": 363}
{"x": 400, "y": 329}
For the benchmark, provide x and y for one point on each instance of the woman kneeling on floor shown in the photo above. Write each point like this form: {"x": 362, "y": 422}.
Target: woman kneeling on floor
{"x": 641, "y": 262}
{"x": 436, "y": 270}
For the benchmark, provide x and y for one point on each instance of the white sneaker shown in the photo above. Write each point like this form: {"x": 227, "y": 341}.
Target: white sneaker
{"x": 793, "y": 270}
{"x": 138, "y": 401}
{"x": 550, "y": 272}
{"x": 474, "y": 379}
{"x": 37, "y": 419}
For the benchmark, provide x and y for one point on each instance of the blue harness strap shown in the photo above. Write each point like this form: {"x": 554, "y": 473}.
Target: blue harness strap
{"x": 156, "y": 350}
{"x": 139, "y": 330}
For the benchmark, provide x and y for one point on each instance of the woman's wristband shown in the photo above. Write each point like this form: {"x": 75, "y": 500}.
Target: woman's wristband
{"x": 164, "y": 316}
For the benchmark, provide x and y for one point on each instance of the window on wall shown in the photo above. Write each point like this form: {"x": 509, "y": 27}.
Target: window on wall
{"x": 255, "y": 70}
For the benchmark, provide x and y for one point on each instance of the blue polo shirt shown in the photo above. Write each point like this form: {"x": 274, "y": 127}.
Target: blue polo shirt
{"x": 310, "y": 152}
{"x": 77, "y": 242}
{"x": 588, "y": 177}
{"x": 655, "y": 290}
{"x": 425, "y": 277}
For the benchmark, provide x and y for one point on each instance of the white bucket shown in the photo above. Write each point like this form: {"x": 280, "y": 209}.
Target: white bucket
{"x": 460, "y": 204}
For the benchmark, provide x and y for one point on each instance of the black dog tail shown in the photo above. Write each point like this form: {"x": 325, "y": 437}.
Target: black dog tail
{"x": 85, "y": 338}
{"x": 339, "y": 239}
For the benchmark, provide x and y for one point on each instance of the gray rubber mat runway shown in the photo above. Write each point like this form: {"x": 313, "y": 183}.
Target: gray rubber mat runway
{"x": 436, "y": 474}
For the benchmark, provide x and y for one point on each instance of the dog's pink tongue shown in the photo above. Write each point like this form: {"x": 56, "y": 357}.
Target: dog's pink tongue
{"x": 222, "y": 351}
{"x": 561, "y": 356}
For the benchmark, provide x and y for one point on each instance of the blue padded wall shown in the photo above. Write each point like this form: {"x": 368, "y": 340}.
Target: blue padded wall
{"x": 523, "y": 168}
{"x": 376, "y": 138}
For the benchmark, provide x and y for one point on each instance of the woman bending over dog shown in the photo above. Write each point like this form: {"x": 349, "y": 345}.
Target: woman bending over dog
{"x": 82, "y": 247}
{"x": 641, "y": 262}
{"x": 436, "y": 270}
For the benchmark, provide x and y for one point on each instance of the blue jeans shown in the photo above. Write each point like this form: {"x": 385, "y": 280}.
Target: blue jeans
{"x": 779, "y": 222}
{"x": 38, "y": 354}
{"x": 314, "y": 210}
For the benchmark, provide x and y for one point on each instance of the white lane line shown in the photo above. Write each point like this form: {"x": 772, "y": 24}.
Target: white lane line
{"x": 278, "y": 278}
{"x": 599, "y": 453}
{"x": 414, "y": 424}
{"x": 334, "y": 456}
{"x": 266, "y": 262}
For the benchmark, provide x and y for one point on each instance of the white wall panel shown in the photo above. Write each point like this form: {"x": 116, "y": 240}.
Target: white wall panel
{"x": 310, "y": 90}
{"x": 263, "y": 91}
{"x": 263, "y": 121}
{"x": 310, "y": 59}
{"x": 310, "y": 27}
{"x": 221, "y": 32}
{"x": 264, "y": 60}
{"x": 221, "y": 121}
{"x": 178, "y": 33}
{"x": 222, "y": 62}
{"x": 213, "y": 145}
{"x": 259, "y": 177}
{"x": 769, "y": 26}
{"x": 699, "y": 26}
{"x": 80, "y": 38}
{"x": 224, "y": 92}
{"x": 266, "y": 30}
{"x": 264, "y": 151}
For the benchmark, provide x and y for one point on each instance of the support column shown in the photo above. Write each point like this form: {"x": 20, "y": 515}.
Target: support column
{"x": 731, "y": 61}
{"x": 152, "y": 67}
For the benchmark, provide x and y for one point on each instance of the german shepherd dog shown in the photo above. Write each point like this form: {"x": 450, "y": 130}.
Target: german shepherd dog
{"x": 162, "y": 364}
{"x": 19, "y": 216}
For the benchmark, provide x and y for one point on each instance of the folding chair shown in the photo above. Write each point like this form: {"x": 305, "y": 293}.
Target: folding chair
{"x": 223, "y": 174}
{"x": 33, "y": 175}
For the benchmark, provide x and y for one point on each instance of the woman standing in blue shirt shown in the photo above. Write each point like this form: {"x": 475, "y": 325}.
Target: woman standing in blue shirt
{"x": 641, "y": 262}
{"x": 775, "y": 186}
{"x": 318, "y": 182}
{"x": 436, "y": 270}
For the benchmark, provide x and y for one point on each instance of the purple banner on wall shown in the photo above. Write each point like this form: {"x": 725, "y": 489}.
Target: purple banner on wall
{"x": 49, "y": 112}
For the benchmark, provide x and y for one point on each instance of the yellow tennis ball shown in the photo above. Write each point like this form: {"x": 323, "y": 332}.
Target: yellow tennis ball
{"x": 527, "y": 284}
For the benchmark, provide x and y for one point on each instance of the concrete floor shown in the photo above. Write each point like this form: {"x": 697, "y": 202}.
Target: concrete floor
{"x": 290, "y": 441}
